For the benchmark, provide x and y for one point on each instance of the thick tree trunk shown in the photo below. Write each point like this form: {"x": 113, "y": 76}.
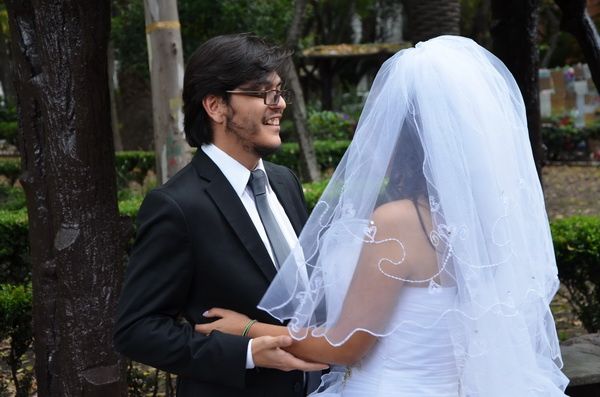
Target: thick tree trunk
{"x": 75, "y": 233}
{"x": 166, "y": 72}
{"x": 575, "y": 20}
{"x": 431, "y": 18}
{"x": 514, "y": 37}
{"x": 307, "y": 151}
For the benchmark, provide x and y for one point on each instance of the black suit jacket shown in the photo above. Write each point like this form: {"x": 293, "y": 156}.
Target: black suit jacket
{"x": 197, "y": 248}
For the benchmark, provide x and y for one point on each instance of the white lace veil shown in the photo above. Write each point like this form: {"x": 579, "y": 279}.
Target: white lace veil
{"x": 438, "y": 190}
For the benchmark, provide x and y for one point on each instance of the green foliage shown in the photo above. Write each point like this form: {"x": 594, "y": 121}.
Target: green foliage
{"x": 10, "y": 167}
{"x": 8, "y": 131}
{"x": 129, "y": 36}
{"x": 14, "y": 248}
{"x": 328, "y": 125}
{"x": 8, "y": 113}
{"x": 130, "y": 207}
{"x": 329, "y": 154}
{"x": 312, "y": 192}
{"x": 133, "y": 166}
{"x": 577, "y": 248}
{"x": 200, "y": 20}
{"x": 15, "y": 326}
{"x": 12, "y": 198}
{"x": 565, "y": 141}
{"x": 8, "y": 124}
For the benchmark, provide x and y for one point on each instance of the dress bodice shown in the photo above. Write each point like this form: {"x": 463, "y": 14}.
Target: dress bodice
{"x": 414, "y": 360}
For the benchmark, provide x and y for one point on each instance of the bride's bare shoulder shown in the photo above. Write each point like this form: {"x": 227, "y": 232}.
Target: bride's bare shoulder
{"x": 395, "y": 212}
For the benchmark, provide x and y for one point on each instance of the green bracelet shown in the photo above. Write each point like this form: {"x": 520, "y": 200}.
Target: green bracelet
{"x": 247, "y": 327}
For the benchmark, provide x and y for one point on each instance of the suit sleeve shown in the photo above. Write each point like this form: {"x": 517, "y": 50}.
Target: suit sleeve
{"x": 156, "y": 287}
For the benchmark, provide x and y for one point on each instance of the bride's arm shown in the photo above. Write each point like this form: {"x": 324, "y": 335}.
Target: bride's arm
{"x": 371, "y": 298}
{"x": 315, "y": 349}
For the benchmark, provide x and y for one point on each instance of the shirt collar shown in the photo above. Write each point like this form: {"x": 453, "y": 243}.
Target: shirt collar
{"x": 234, "y": 171}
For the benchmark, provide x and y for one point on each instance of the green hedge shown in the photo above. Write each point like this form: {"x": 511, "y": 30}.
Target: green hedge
{"x": 134, "y": 165}
{"x": 577, "y": 247}
{"x": 329, "y": 154}
{"x": 8, "y": 131}
{"x": 16, "y": 329}
{"x": 10, "y": 167}
{"x": 14, "y": 248}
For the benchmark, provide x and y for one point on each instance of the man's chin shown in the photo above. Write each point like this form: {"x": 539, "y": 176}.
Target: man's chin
{"x": 264, "y": 151}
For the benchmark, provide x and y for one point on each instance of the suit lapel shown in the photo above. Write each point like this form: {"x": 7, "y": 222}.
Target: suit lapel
{"x": 280, "y": 185}
{"x": 230, "y": 206}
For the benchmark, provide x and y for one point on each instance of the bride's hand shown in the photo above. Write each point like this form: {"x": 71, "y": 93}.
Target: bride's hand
{"x": 229, "y": 322}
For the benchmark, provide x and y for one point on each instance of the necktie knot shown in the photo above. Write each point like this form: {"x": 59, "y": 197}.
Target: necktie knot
{"x": 258, "y": 182}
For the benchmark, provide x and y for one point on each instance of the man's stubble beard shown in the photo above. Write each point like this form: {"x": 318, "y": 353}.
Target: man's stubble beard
{"x": 243, "y": 134}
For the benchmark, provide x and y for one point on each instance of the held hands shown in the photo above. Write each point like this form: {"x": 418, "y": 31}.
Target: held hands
{"x": 267, "y": 351}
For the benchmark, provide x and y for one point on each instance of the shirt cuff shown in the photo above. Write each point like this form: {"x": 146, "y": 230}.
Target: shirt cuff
{"x": 249, "y": 360}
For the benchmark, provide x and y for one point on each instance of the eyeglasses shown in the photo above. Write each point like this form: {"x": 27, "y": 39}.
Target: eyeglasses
{"x": 270, "y": 97}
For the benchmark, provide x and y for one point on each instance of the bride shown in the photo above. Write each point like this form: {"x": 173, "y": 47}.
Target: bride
{"x": 427, "y": 266}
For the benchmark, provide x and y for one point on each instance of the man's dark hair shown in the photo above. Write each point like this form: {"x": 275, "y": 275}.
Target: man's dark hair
{"x": 220, "y": 64}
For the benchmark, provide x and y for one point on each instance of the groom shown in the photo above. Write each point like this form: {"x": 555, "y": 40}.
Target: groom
{"x": 215, "y": 234}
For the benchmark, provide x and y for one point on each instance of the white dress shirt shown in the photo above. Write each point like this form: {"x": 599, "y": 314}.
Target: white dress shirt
{"x": 238, "y": 176}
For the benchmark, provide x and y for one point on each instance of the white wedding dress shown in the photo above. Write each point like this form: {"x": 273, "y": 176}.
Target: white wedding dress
{"x": 412, "y": 361}
{"x": 445, "y": 127}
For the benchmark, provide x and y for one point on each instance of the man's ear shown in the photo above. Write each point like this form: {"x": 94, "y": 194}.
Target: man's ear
{"x": 215, "y": 108}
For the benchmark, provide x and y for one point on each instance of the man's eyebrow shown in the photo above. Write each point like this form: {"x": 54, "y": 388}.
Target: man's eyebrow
{"x": 264, "y": 83}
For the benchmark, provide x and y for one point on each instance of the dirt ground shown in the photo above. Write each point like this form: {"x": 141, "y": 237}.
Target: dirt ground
{"x": 571, "y": 190}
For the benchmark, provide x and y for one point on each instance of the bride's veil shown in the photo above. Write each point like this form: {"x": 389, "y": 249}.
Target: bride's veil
{"x": 440, "y": 161}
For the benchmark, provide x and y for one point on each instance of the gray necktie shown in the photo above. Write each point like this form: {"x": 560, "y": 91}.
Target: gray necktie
{"x": 279, "y": 245}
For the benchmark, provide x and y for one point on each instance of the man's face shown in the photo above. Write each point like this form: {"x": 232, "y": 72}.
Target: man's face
{"x": 255, "y": 125}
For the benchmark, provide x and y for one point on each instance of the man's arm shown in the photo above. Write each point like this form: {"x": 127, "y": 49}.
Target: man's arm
{"x": 156, "y": 287}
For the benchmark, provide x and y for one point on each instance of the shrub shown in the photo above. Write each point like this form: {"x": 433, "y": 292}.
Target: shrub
{"x": 564, "y": 141}
{"x": 312, "y": 193}
{"x": 328, "y": 125}
{"x": 12, "y": 198}
{"x": 14, "y": 248}
{"x": 15, "y": 326}
{"x": 8, "y": 131}
{"x": 577, "y": 248}
{"x": 133, "y": 166}
{"x": 10, "y": 167}
{"x": 329, "y": 154}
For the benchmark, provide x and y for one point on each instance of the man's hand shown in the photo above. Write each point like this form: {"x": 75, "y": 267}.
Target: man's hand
{"x": 267, "y": 352}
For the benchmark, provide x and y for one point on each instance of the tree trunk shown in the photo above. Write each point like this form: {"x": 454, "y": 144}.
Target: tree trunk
{"x": 310, "y": 166}
{"x": 514, "y": 37}
{"x": 76, "y": 236}
{"x": 431, "y": 18}
{"x": 576, "y": 20}
{"x": 166, "y": 73}
{"x": 114, "y": 116}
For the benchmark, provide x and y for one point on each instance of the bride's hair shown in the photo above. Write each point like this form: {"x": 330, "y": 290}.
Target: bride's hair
{"x": 406, "y": 179}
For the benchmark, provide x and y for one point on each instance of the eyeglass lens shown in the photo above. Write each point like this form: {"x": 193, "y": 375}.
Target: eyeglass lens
{"x": 272, "y": 96}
